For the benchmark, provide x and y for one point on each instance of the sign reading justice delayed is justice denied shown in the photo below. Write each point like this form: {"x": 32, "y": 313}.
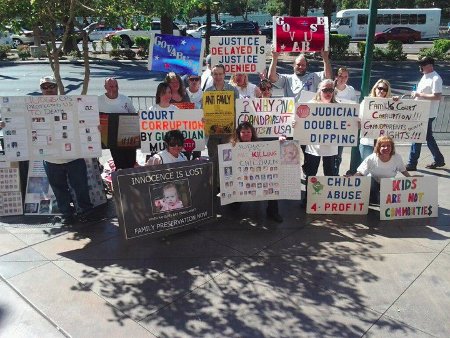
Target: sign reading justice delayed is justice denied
{"x": 163, "y": 199}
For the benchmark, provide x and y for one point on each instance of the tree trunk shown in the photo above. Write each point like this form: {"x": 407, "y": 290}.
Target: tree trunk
{"x": 71, "y": 42}
{"x": 294, "y": 7}
{"x": 327, "y": 10}
{"x": 166, "y": 25}
{"x": 87, "y": 70}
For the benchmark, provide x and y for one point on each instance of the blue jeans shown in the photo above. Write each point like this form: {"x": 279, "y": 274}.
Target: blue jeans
{"x": 414, "y": 153}
{"x": 365, "y": 151}
{"x": 73, "y": 173}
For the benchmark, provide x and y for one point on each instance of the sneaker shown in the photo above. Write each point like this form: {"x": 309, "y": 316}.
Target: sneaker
{"x": 275, "y": 217}
{"x": 410, "y": 167}
{"x": 435, "y": 165}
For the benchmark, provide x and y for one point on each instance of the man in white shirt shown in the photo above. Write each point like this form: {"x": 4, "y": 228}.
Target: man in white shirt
{"x": 114, "y": 103}
{"x": 428, "y": 88}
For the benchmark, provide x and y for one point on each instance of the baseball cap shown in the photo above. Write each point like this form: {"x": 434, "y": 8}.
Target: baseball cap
{"x": 426, "y": 61}
{"x": 47, "y": 79}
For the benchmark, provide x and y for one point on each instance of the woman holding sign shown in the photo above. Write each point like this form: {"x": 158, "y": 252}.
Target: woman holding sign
{"x": 245, "y": 88}
{"x": 245, "y": 132}
{"x": 382, "y": 163}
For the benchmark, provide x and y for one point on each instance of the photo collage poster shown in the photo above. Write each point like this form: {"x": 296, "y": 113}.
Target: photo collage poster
{"x": 10, "y": 194}
{"x": 50, "y": 127}
{"x": 258, "y": 171}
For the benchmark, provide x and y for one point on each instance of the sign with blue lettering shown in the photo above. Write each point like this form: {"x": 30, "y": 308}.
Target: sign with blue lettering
{"x": 338, "y": 195}
{"x": 408, "y": 197}
{"x": 179, "y": 54}
{"x": 327, "y": 124}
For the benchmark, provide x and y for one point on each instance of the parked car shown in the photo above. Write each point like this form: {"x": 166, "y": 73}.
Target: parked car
{"x": 403, "y": 34}
{"x": 99, "y": 31}
{"x": 128, "y": 35}
{"x": 237, "y": 28}
{"x": 267, "y": 30}
{"x": 6, "y": 38}
{"x": 22, "y": 37}
{"x": 200, "y": 31}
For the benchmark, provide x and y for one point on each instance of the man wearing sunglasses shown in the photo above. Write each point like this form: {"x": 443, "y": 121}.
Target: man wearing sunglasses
{"x": 294, "y": 84}
{"x": 428, "y": 88}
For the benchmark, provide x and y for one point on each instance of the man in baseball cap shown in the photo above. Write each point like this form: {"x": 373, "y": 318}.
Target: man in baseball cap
{"x": 48, "y": 85}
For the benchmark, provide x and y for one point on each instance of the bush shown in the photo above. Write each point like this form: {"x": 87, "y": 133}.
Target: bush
{"x": 142, "y": 42}
{"x": 115, "y": 42}
{"x": 339, "y": 45}
{"x": 23, "y": 51}
{"x": 439, "y": 51}
{"x": 362, "y": 48}
{"x": 4, "y": 50}
{"x": 392, "y": 52}
{"x": 122, "y": 53}
{"x": 115, "y": 53}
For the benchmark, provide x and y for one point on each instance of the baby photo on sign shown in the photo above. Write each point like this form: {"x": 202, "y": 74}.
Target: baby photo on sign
{"x": 170, "y": 196}
{"x": 290, "y": 153}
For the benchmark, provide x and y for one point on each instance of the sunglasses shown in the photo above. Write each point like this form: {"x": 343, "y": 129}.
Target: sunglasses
{"x": 48, "y": 86}
{"x": 383, "y": 89}
{"x": 327, "y": 90}
{"x": 194, "y": 79}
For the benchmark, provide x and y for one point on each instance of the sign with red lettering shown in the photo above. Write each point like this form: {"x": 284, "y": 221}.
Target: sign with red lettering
{"x": 300, "y": 34}
{"x": 239, "y": 54}
{"x": 338, "y": 195}
{"x": 408, "y": 197}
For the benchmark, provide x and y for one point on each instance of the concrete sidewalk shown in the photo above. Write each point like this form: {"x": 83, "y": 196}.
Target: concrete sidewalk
{"x": 242, "y": 276}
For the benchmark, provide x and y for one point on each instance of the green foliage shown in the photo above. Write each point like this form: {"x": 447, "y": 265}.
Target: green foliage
{"x": 142, "y": 42}
{"x": 4, "y": 50}
{"x": 339, "y": 45}
{"x": 392, "y": 52}
{"x": 361, "y": 48}
{"x": 439, "y": 51}
{"x": 115, "y": 42}
{"x": 23, "y": 51}
{"x": 275, "y": 7}
{"x": 122, "y": 54}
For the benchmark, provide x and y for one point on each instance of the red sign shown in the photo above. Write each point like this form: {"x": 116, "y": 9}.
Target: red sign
{"x": 189, "y": 145}
{"x": 300, "y": 34}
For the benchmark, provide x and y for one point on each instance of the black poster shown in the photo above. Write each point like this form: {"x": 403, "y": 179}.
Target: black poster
{"x": 162, "y": 199}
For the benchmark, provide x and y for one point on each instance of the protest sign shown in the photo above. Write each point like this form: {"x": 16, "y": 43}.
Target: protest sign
{"x": 154, "y": 124}
{"x": 327, "y": 124}
{"x": 179, "y": 54}
{"x": 51, "y": 127}
{"x": 159, "y": 200}
{"x": 338, "y": 195}
{"x": 218, "y": 107}
{"x": 271, "y": 117}
{"x": 10, "y": 194}
{"x": 408, "y": 197}
{"x": 239, "y": 54}
{"x": 120, "y": 131}
{"x": 300, "y": 34}
{"x": 258, "y": 171}
{"x": 184, "y": 105}
{"x": 402, "y": 120}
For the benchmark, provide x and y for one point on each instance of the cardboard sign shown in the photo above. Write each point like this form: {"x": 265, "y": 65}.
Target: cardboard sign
{"x": 338, "y": 195}
{"x": 51, "y": 127}
{"x": 154, "y": 124}
{"x": 179, "y": 54}
{"x": 300, "y": 34}
{"x": 120, "y": 131}
{"x": 218, "y": 107}
{"x": 258, "y": 171}
{"x": 239, "y": 54}
{"x": 327, "y": 124}
{"x": 271, "y": 117}
{"x": 408, "y": 197}
{"x": 159, "y": 200}
{"x": 10, "y": 194}
{"x": 402, "y": 120}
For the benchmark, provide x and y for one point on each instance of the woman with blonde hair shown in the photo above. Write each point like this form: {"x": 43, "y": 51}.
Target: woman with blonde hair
{"x": 245, "y": 88}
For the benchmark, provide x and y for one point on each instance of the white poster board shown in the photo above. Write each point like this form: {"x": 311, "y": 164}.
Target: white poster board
{"x": 402, "y": 120}
{"x": 258, "y": 171}
{"x": 327, "y": 124}
{"x": 338, "y": 195}
{"x": 154, "y": 124}
{"x": 408, "y": 197}
{"x": 271, "y": 117}
{"x": 239, "y": 54}
{"x": 10, "y": 195}
{"x": 51, "y": 127}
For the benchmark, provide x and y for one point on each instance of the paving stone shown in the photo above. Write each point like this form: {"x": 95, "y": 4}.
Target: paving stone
{"x": 20, "y": 261}
{"x": 9, "y": 242}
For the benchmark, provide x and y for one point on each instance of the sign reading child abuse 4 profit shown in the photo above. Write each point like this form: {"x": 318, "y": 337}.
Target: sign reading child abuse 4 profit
{"x": 408, "y": 197}
{"x": 327, "y": 124}
{"x": 239, "y": 54}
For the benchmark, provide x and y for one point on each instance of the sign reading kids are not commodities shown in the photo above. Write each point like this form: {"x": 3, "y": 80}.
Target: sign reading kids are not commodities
{"x": 154, "y": 124}
{"x": 239, "y": 54}
{"x": 408, "y": 197}
{"x": 159, "y": 200}
{"x": 271, "y": 117}
{"x": 402, "y": 120}
{"x": 338, "y": 195}
{"x": 327, "y": 124}
{"x": 218, "y": 107}
{"x": 300, "y": 34}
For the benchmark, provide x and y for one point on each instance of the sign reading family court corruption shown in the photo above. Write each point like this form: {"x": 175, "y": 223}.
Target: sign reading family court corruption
{"x": 300, "y": 34}
{"x": 159, "y": 200}
{"x": 239, "y": 54}
{"x": 218, "y": 107}
{"x": 327, "y": 124}
{"x": 154, "y": 124}
{"x": 338, "y": 195}
{"x": 271, "y": 117}
{"x": 402, "y": 120}
{"x": 408, "y": 197}
{"x": 50, "y": 127}
{"x": 179, "y": 54}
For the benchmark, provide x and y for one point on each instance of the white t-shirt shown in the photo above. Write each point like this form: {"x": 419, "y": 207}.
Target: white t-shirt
{"x": 293, "y": 85}
{"x": 206, "y": 79}
{"x": 373, "y": 166}
{"x": 431, "y": 83}
{"x": 348, "y": 94}
{"x": 167, "y": 157}
{"x": 195, "y": 98}
{"x": 247, "y": 92}
{"x": 121, "y": 104}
